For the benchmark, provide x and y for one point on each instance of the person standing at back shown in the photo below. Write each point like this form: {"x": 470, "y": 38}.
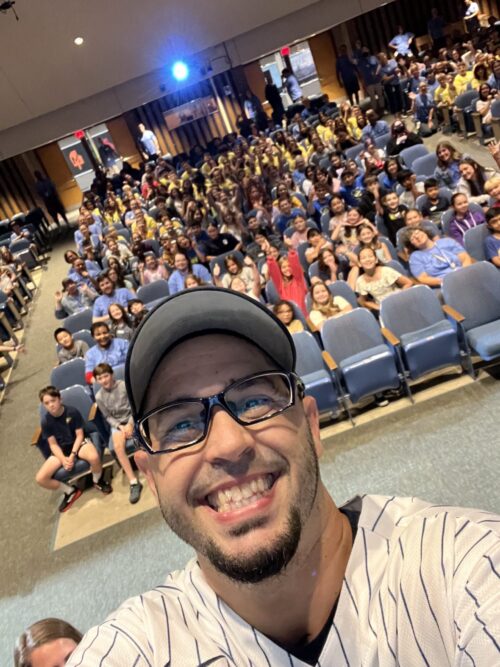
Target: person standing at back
{"x": 47, "y": 191}
{"x": 149, "y": 143}
{"x": 291, "y": 84}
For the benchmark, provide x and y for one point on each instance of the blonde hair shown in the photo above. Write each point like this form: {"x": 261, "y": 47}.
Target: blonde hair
{"x": 491, "y": 183}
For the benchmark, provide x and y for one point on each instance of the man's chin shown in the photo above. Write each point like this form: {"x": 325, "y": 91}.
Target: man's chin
{"x": 252, "y": 564}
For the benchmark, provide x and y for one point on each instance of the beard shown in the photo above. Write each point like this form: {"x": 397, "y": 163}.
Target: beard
{"x": 272, "y": 559}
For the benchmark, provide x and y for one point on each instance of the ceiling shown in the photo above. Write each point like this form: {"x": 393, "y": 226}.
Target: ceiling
{"x": 41, "y": 69}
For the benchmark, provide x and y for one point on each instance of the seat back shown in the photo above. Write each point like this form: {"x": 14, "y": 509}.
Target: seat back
{"x": 466, "y": 99}
{"x": 351, "y": 334}
{"x": 153, "y": 291}
{"x": 495, "y": 108}
{"x": 397, "y": 266}
{"x": 411, "y": 310}
{"x": 69, "y": 373}
{"x": 309, "y": 359}
{"x": 85, "y": 335}
{"x": 20, "y": 245}
{"x": 475, "y": 292}
{"x": 425, "y": 165}
{"x": 409, "y": 155}
{"x": 341, "y": 288}
{"x": 353, "y": 152}
{"x": 77, "y": 397}
{"x": 219, "y": 260}
{"x": 382, "y": 140}
{"x": 272, "y": 295}
{"x": 474, "y": 241}
{"x": 79, "y": 321}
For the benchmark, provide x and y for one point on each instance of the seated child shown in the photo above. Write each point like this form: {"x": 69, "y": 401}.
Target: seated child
{"x": 67, "y": 347}
{"x": 62, "y": 427}
{"x": 113, "y": 403}
{"x": 434, "y": 203}
{"x": 492, "y": 242}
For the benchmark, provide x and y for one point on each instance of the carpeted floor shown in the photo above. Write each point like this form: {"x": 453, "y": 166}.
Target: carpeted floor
{"x": 444, "y": 450}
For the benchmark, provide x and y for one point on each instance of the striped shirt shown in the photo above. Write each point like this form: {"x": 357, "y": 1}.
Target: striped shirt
{"x": 422, "y": 587}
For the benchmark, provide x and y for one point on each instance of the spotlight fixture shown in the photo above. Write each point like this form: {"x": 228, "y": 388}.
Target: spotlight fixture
{"x": 180, "y": 71}
{"x": 78, "y": 41}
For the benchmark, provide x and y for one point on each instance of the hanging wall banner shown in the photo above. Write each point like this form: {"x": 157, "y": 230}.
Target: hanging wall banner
{"x": 76, "y": 157}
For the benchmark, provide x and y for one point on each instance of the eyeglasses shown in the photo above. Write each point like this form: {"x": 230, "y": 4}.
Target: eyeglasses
{"x": 185, "y": 422}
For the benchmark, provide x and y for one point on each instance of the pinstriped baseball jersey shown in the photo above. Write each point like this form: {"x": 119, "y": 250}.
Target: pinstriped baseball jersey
{"x": 422, "y": 587}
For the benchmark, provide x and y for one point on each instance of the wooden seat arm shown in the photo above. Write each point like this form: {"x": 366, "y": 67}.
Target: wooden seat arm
{"x": 311, "y": 325}
{"x": 36, "y": 436}
{"x": 391, "y": 338}
{"x": 92, "y": 412}
{"x": 454, "y": 314}
{"x": 329, "y": 360}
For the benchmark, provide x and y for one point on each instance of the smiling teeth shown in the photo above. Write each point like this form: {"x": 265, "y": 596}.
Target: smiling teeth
{"x": 237, "y": 496}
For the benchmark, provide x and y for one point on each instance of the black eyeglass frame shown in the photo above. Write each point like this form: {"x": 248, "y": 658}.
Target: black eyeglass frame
{"x": 297, "y": 390}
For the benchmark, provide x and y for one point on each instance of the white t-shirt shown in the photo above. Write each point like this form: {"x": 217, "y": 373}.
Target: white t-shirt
{"x": 379, "y": 289}
{"x": 318, "y": 318}
{"x": 422, "y": 587}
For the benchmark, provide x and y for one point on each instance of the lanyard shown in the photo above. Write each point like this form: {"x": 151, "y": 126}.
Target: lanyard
{"x": 445, "y": 259}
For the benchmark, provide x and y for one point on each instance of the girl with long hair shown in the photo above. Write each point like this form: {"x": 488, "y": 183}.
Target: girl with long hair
{"x": 324, "y": 305}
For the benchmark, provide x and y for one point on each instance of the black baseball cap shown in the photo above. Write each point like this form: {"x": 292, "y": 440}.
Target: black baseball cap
{"x": 196, "y": 312}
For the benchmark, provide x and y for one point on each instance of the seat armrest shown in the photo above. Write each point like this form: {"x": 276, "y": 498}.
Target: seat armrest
{"x": 312, "y": 327}
{"x": 454, "y": 314}
{"x": 391, "y": 338}
{"x": 329, "y": 360}
{"x": 92, "y": 412}
{"x": 36, "y": 436}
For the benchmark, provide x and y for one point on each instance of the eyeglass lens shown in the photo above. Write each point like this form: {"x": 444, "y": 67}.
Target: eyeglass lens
{"x": 248, "y": 401}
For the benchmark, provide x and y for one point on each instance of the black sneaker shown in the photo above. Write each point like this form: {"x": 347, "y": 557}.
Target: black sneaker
{"x": 103, "y": 486}
{"x": 135, "y": 493}
{"x": 69, "y": 498}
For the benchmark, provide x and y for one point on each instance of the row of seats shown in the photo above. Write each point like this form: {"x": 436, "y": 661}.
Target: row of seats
{"x": 353, "y": 357}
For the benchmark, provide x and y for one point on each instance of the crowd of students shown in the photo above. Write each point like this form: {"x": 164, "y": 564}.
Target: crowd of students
{"x": 279, "y": 215}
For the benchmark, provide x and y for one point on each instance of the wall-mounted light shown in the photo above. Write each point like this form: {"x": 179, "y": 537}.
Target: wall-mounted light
{"x": 180, "y": 71}
{"x": 78, "y": 41}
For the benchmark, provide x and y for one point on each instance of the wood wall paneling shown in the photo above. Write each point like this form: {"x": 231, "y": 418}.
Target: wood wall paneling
{"x": 56, "y": 168}
{"x": 123, "y": 140}
{"x": 325, "y": 59}
{"x": 255, "y": 79}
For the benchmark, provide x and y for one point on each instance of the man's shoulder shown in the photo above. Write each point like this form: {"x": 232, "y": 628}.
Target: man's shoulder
{"x": 170, "y": 621}
{"x": 392, "y": 516}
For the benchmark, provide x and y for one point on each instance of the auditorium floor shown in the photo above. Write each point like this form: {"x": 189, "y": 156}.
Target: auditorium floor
{"x": 445, "y": 449}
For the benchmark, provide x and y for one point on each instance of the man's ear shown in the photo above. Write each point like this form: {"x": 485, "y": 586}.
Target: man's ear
{"x": 142, "y": 459}
{"x": 312, "y": 416}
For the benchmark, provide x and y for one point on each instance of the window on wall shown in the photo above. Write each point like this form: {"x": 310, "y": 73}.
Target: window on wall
{"x": 303, "y": 62}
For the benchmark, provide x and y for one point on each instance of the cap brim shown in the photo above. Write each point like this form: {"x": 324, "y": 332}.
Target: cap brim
{"x": 195, "y": 312}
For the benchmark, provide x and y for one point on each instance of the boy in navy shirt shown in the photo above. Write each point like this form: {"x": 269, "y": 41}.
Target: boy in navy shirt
{"x": 62, "y": 427}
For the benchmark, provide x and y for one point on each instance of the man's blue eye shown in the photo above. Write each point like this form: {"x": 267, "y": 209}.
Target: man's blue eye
{"x": 182, "y": 426}
{"x": 253, "y": 404}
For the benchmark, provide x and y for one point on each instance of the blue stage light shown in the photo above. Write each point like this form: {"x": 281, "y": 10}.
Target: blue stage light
{"x": 180, "y": 71}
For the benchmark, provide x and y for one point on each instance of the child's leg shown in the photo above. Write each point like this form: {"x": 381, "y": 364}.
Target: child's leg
{"x": 44, "y": 475}
{"x": 119, "y": 442}
{"x": 89, "y": 453}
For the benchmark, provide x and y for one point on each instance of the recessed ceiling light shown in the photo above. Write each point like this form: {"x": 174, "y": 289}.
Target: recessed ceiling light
{"x": 78, "y": 41}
